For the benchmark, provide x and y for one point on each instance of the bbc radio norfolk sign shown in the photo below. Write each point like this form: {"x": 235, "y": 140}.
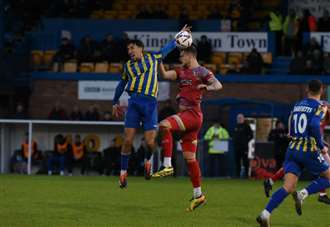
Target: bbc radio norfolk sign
{"x": 221, "y": 41}
{"x": 105, "y": 90}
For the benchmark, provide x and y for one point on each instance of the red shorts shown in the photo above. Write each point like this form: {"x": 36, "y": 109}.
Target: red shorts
{"x": 189, "y": 122}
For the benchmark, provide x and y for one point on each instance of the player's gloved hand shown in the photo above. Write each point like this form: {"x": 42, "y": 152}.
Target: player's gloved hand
{"x": 117, "y": 111}
{"x": 324, "y": 150}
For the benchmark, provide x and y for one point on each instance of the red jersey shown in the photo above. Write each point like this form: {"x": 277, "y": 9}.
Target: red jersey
{"x": 189, "y": 95}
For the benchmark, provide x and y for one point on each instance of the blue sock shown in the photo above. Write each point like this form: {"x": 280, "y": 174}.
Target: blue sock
{"x": 276, "y": 199}
{"x": 124, "y": 161}
{"x": 317, "y": 185}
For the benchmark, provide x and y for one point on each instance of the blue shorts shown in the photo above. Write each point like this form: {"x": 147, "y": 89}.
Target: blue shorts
{"x": 141, "y": 109}
{"x": 296, "y": 161}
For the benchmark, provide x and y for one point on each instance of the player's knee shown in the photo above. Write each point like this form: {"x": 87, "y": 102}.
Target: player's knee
{"x": 164, "y": 125}
{"x": 289, "y": 187}
{"x": 326, "y": 174}
{"x": 150, "y": 142}
{"x": 189, "y": 156}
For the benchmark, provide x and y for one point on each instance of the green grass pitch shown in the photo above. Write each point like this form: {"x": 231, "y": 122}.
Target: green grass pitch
{"x": 98, "y": 201}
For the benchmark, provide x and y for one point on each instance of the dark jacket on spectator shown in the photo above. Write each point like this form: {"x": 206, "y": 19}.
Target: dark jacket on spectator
{"x": 297, "y": 65}
{"x": 255, "y": 62}
{"x": 241, "y": 136}
{"x": 57, "y": 114}
{"x": 66, "y": 51}
{"x": 87, "y": 50}
{"x": 76, "y": 116}
{"x": 204, "y": 49}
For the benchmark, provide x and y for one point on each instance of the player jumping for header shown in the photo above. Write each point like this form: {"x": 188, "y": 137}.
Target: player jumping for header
{"x": 141, "y": 83}
{"x": 193, "y": 80}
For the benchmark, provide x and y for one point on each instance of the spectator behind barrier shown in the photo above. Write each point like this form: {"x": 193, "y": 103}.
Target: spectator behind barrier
{"x": 326, "y": 63}
{"x": 76, "y": 114}
{"x": 214, "y": 135}
{"x": 311, "y": 46}
{"x": 241, "y": 137}
{"x": 87, "y": 50}
{"x": 107, "y": 116}
{"x": 297, "y": 64}
{"x": 65, "y": 52}
{"x": 77, "y": 156}
{"x": 254, "y": 62}
{"x": 204, "y": 49}
{"x": 324, "y": 22}
{"x": 122, "y": 48}
{"x": 316, "y": 58}
{"x": 62, "y": 150}
{"x": 20, "y": 112}
{"x": 109, "y": 49}
{"x": 111, "y": 156}
{"x": 57, "y": 113}
{"x": 290, "y": 31}
{"x": 279, "y": 136}
{"x": 35, "y": 153}
{"x": 92, "y": 114}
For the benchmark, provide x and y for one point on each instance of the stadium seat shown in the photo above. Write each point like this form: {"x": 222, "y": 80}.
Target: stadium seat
{"x": 115, "y": 68}
{"x": 211, "y": 67}
{"x": 36, "y": 59}
{"x": 267, "y": 57}
{"x": 48, "y": 57}
{"x": 70, "y": 67}
{"x": 86, "y": 67}
{"x": 235, "y": 58}
{"x": 217, "y": 59}
{"x": 101, "y": 67}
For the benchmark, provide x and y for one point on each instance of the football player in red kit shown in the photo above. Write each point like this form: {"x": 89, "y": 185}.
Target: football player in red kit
{"x": 193, "y": 80}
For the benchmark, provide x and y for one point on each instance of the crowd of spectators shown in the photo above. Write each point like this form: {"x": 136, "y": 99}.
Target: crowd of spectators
{"x": 66, "y": 156}
{"x": 310, "y": 60}
{"x": 90, "y": 50}
{"x": 290, "y": 30}
{"x": 92, "y": 114}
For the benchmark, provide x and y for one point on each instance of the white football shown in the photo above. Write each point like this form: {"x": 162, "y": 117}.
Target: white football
{"x": 183, "y": 39}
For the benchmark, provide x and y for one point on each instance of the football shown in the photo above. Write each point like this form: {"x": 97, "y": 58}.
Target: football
{"x": 183, "y": 39}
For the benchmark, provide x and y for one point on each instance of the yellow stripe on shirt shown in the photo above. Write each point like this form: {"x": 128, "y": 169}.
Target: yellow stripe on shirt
{"x": 142, "y": 76}
{"x": 305, "y": 144}
{"x": 299, "y": 144}
{"x": 133, "y": 77}
{"x": 150, "y": 74}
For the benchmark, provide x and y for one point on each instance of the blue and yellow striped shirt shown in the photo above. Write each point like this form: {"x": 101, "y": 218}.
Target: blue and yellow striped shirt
{"x": 141, "y": 75}
{"x": 305, "y": 126}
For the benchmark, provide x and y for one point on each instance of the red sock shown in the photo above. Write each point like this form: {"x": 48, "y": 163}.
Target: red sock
{"x": 167, "y": 142}
{"x": 195, "y": 173}
{"x": 278, "y": 175}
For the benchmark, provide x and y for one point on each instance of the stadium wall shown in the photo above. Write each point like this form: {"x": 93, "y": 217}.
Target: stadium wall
{"x": 45, "y": 93}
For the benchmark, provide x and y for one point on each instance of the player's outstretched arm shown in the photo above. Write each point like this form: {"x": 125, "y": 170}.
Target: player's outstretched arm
{"x": 213, "y": 84}
{"x": 167, "y": 75}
